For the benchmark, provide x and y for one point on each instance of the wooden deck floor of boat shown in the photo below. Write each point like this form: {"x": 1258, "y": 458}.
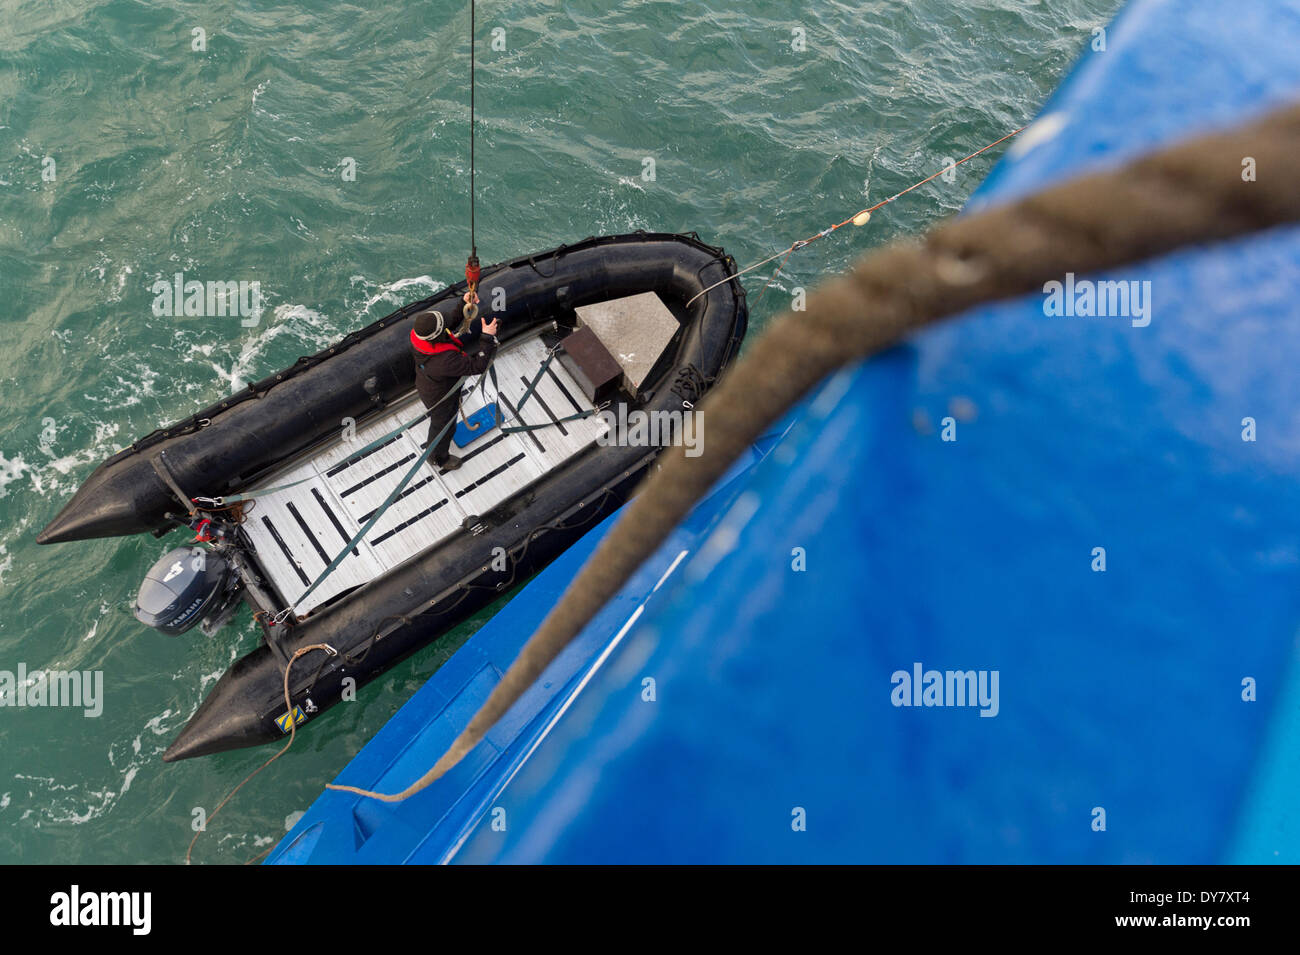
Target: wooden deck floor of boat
{"x": 299, "y": 530}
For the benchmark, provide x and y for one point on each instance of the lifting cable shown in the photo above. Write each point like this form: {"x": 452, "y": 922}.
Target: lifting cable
{"x": 472, "y": 271}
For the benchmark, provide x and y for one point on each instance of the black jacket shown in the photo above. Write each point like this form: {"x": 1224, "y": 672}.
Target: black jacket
{"x": 472, "y": 357}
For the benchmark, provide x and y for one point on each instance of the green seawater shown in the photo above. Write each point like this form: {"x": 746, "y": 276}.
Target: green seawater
{"x": 127, "y": 155}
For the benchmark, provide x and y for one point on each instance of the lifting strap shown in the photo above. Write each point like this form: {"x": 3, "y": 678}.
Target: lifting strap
{"x": 160, "y": 466}
{"x": 355, "y": 455}
{"x": 550, "y": 424}
{"x": 528, "y": 393}
{"x": 388, "y": 501}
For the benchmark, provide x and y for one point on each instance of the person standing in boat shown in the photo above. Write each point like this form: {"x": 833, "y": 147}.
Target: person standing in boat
{"x": 442, "y": 359}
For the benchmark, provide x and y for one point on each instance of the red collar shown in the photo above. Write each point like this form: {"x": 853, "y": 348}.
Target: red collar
{"x": 424, "y": 348}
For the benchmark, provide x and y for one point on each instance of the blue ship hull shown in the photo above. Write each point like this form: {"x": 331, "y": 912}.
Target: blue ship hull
{"x": 1146, "y": 707}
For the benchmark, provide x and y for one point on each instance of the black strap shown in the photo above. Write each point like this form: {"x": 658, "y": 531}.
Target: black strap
{"x": 550, "y": 424}
{"x": 162, "y": 469}
{"x": 528, "y": 392}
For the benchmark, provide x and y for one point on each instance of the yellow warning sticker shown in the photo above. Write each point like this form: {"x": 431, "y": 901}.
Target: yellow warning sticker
{"x": 283, "y": 721}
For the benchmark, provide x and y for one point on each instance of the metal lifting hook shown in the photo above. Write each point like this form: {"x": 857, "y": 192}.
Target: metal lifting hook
{"x": 471, "y": 281}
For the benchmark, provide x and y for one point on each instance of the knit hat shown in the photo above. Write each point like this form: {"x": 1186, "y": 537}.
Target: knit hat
{"x": 429, "y": 325}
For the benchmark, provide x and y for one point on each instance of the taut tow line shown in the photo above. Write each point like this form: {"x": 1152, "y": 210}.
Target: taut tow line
{"x": 860, "y": 218}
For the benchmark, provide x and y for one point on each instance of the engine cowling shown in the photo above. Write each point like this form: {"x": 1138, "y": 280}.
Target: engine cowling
{"x": 185, "y": 586}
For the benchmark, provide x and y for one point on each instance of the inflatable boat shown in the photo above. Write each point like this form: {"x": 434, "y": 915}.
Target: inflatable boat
{"x": 314, "y": 503}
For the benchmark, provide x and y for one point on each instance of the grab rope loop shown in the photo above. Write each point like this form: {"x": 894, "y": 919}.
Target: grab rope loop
{"x": 293, "y": 732}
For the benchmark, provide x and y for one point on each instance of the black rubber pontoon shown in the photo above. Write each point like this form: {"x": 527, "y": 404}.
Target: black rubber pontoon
{"x": 257, "y": 432}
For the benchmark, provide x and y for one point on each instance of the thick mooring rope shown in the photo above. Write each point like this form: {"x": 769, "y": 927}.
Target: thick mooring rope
{"x": 1190, "y": 193}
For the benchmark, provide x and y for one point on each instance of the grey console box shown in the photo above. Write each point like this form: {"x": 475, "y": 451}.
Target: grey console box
{"x": 635, "y": 330}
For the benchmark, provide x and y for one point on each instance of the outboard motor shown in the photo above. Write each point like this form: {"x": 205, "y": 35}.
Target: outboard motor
{"x": 187, "y": 585}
